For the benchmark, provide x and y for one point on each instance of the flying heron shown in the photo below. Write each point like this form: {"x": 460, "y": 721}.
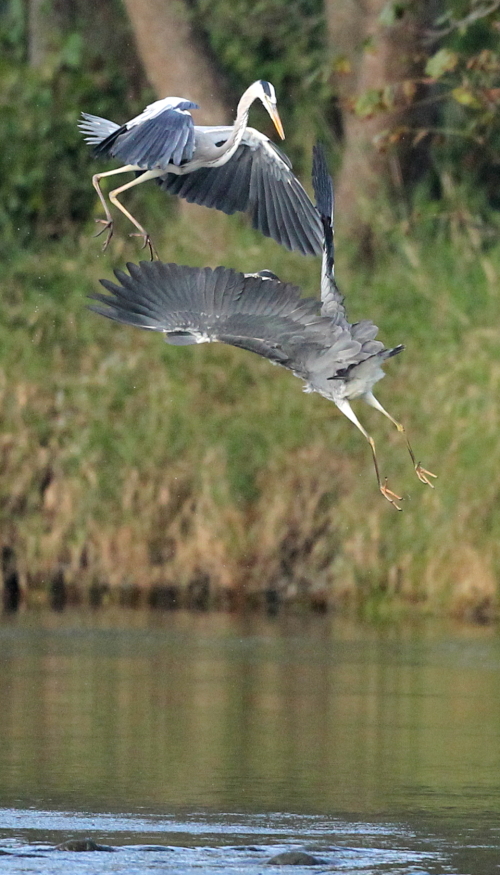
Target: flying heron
{"x": 258, "y": 312}
{"x": 232, "y": 169}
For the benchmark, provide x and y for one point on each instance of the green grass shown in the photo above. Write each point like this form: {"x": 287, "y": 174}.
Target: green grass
{"x": 116, "y": 447}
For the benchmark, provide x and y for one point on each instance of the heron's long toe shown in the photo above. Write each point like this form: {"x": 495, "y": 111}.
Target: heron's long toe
{"x": 423, "y": 475}
{"x": 109, "y": 227}
{"x": 390, "y": 495}
{"x": 147, "y": 242}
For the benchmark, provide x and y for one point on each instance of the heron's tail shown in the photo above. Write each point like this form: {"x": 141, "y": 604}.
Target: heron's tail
{"x": 325, "y": 204}
{"x": 96, "y": 129}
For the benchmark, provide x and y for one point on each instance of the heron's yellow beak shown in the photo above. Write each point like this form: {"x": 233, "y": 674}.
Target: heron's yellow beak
{"x": 273, "y": 112}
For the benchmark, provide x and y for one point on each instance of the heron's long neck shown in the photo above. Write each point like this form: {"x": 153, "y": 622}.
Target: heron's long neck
{"x": 240, "y": 124}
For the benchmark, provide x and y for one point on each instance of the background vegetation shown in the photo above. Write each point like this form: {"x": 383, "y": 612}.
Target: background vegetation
{"x": 205, "y": 474}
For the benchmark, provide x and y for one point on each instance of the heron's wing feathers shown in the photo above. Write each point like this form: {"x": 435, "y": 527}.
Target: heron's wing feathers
{"x": 154, "y": 143}
{"x": 159, "y": 106}
{"x": 95, "y": 129}
{"x": 256, "y": 179}
{"x": 196, "y": 305}
{"x": 332, "y": 299}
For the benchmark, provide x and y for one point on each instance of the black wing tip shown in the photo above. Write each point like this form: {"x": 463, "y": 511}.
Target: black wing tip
{"x": 322, "y": 183}
{"x": 323, "y": 192}
{"x": 396, "y": 350}
{"x": 268, "y": 275}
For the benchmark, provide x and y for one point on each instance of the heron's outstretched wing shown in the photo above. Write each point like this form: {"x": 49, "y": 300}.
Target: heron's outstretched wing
{"x": 196, "y": 305}
{"x": 257, "y": 179}
{"x": 365, "y": 332}
{"x": 331, "y": 298}
{"x": 95, "y": 129}
{"x": 153, "y": 140}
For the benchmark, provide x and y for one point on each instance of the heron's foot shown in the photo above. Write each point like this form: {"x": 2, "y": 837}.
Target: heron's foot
{"x": 147, "y": 242}
{"x": 423, "y": 475}
{"x": 390, "y": 495}
{"x": 109, "y": 227}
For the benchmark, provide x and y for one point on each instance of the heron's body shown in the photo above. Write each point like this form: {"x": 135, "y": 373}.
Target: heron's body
{"x": 231, "y": 168}
{"x": 313, "y": 338}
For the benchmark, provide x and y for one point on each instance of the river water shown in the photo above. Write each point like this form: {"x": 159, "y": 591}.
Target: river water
{"x": 188, "y": 742}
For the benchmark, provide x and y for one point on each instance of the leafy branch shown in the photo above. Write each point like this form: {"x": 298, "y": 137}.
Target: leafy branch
{"x": 461, "y": 24}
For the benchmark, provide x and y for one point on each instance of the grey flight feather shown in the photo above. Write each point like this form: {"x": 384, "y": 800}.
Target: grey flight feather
{"x": 195, "y": 305}
{"x": 262, "y": 315}
{"x": 165, "y": 138}
{"x": 257, "y": 180}
{"x": 323, "y": 186}
{"x": 331, "y": 297}
{"x": 371, "y": 353}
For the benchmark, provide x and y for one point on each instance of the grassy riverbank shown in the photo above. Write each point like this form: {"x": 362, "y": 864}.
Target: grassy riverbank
{"x": 126, "y": 462}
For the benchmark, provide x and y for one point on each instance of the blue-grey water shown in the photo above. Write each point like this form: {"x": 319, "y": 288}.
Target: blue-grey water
{"x": 188, "y": 742}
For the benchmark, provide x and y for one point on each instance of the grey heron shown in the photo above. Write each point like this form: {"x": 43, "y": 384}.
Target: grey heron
{"x": 340, "y": 360}
{"x": 233, "y": 169}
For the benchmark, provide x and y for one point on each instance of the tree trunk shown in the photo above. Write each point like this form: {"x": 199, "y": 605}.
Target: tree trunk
{"x": 388, "y": 58}
{"x": 346, "y": 25}
{"x": 174, "y": 59}
{"x": 44, "y": 31}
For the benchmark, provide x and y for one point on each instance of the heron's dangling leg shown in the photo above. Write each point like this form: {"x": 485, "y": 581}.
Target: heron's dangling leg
{"x": 422, "y": 474}
{"x": 148, "y": 174}
{"x": 391, "y": 496}
{"x": 108, "y": 221}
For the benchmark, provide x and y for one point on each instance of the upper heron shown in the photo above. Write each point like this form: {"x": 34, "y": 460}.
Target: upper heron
{"x": 230, "y": 168}
{"x": 340, "y": 360}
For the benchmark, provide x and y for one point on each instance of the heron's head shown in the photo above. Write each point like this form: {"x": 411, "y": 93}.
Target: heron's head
{"x": 266, "y": 93}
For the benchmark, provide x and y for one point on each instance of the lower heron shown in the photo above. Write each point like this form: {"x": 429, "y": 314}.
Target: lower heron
{"x": 340, "y": 360}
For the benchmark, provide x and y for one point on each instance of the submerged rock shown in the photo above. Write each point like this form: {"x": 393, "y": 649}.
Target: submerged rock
{"x": 82, "y": 845}
{"x": 295, "y": 858}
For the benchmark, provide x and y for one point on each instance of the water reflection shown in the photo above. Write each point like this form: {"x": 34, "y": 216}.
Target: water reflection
{"x": 129, "y": 711}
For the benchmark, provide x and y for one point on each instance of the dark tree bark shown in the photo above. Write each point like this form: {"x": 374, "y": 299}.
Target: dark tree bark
{"x": 388, "y": 58}
{"x": 174, "y": 59}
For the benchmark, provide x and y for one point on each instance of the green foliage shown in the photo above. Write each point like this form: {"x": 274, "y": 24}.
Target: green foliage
{"x": 271, "y": 39}
{"x": 392, "y": 13}
{"x": 468, "y": 145}
{"x": 443, "y": 61}
{"x": 276, "y": 40}
{"x": 456, "y": 104}
{"x": 373, "y": 101}
{"x": 45, "y": 166}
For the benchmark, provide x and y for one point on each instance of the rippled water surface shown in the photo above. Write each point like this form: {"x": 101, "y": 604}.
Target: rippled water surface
{"x": 213, "y": 742}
